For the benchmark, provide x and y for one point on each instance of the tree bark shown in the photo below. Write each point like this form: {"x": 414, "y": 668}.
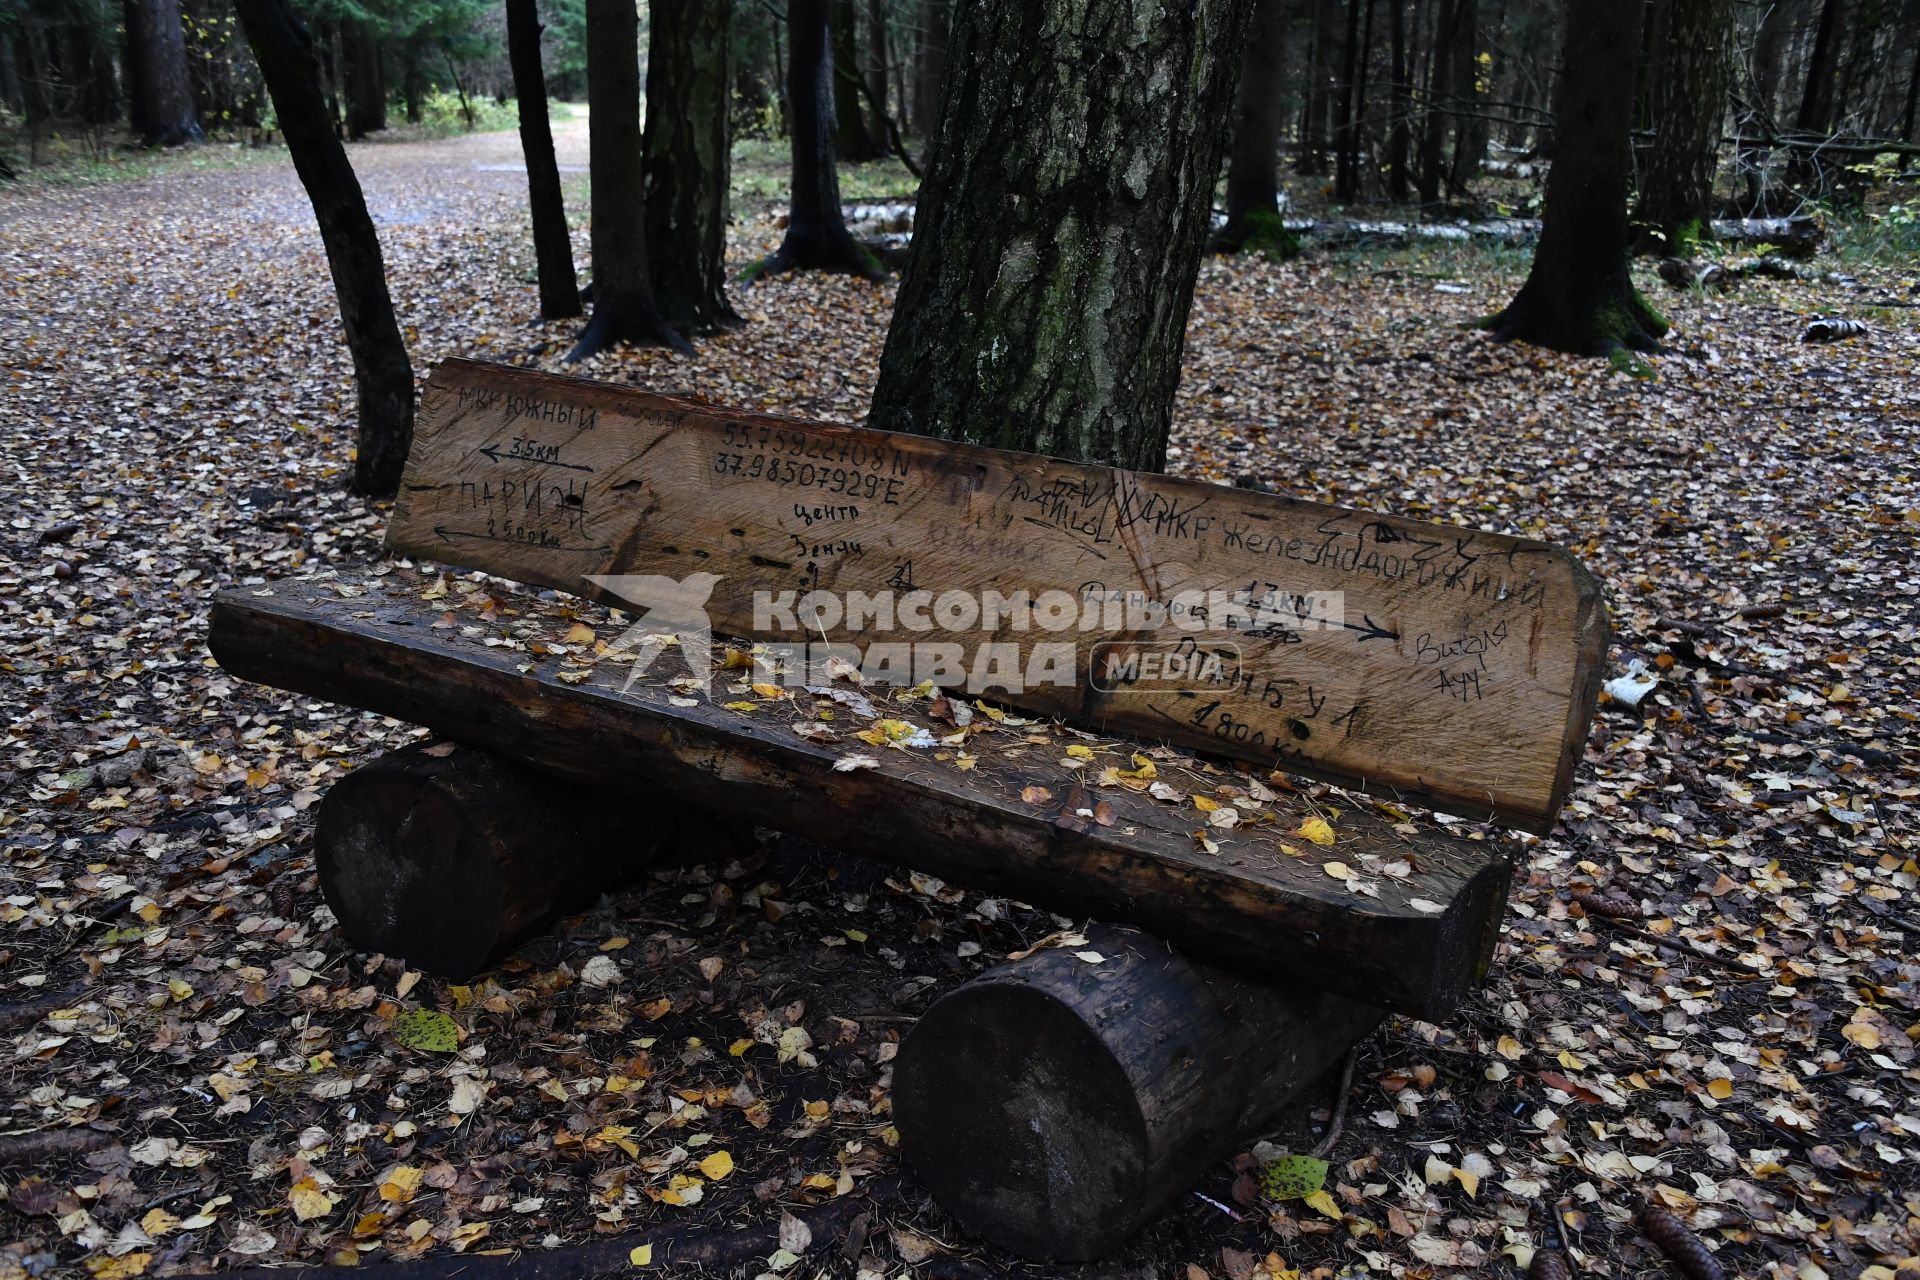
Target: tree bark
{"x": 1579, "y": 296}
{"x": 1816, "y": 99}
{"x": 1055, "y": 1105}
{"x": 817, "y": 237}
{"x": 877, "y": 70}
{"x": 623, "y": 305}
{"x": 1316, "y": 102}
{"x": 449, "y": 857}
{"x": 1469, "y": 130}
{"x": 687, "y": 162}
{"x": 1060, "y": 226}
{"x": 1253, "y": 167}
{"x": 1676, "y": 186}
{"x": 362, "y": 82}
{"x": 552, "y": 243}
{"x": 159, "y": 49}
{"x": 852, "y": 142}
{"x": 382, "y": 372}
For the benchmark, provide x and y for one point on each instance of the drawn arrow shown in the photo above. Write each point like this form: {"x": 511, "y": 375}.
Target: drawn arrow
{"x": 448, "y": 535}
{"x": 1371, "y": 630}
{"x": 493, "y": 451}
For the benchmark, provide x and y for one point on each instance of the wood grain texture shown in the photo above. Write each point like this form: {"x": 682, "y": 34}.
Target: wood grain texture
{"x": 375, "y": 640}
{"x": 1461, "y": 671}
{"x": 1055, "y": 1106}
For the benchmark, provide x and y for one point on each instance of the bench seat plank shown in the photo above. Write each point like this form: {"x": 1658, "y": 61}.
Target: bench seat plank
{"x": 1019, "y": 821}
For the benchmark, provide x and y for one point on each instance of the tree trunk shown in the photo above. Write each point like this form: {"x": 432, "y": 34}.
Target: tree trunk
{"x": 1253, "y": 168}
{"x": 381, "y": 370}
{"x": 817, "y": 237}
{"x": 852, "y": 142}
{"x": 623, "y": 306}
{"x": 1439, "y": 98}
{"x": 687, "y": 162}
{"x": 1579, "y": 296}
{"x": 1055, "y": 1105}
{"x": 1816, "y": 100}
{"x": 1397, "y": 133}
{"x": 1353, "y": 102}
{"x": 1059, "y": 231}
{"x": 1676, "y": 187}
{"x": 1469, "y": 130}
{"x": 877, "y": 69}
{"x": 448, "y": 857}
{"x": 552, "y": 244}
{"x": 1316, "y": 102}
{"x": 93, "y": 62}
{"x": 361, "y": 81}
{"x": 413, "y": 81}
{"x": 936, "y": 16}
{"x": 1913, "y": 95}
{"x": 158, "y": 46}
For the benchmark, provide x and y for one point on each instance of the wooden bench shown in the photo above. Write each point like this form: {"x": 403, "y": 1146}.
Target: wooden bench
{"x": 1214, "y": 636}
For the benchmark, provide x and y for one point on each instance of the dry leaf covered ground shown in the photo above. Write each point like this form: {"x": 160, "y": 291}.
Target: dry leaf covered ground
{"x": 199, "y": 1073}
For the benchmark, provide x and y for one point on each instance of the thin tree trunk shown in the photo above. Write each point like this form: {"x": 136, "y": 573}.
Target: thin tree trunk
{"x": 361, "y": 82}
{"x": 1054, "y": 323}
{"x": 1469, "y": 130}
{"x": 1816, "y": 100}
{"x": 1253, "y": 169}
{"x": 1913, "y": 95}
{"x": 412, "y": 81}
{"x": 936, "y": 16}
{"x": 687, "y": 162}
{"x": 623, "y": 305}
{"x": 817, "y": 237}
{"x": 1397, "y": 132}
{"x": 851, "y": 139}
{"x": 1439, "y": 83}
{"x": 382, "y": 372}
{"x": 1579, "y": 296}
{"x": 159, "y": 47}
{"x": 877, "y": 67}
{"x": 552, "y": 243}
{"x": 1317, "y": 103}
{"x": 1676, "y": 188}
{"x": 1353, "y": 95}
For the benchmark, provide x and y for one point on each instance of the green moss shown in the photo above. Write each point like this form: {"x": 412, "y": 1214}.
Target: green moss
{"x": 1624, "y": 361}
{"x": 1656, "y": 323}
{"x": 752, "y": 271}
{"x": 1269, "y": 236}
{"x": 1486, "y": 323}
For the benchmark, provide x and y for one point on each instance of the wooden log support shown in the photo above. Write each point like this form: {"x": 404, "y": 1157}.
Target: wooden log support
{"x": 1056, "y": 1104}
{"x": 448, "y": 857}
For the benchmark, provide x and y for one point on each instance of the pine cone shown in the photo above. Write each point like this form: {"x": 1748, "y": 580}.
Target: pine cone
{"x": 1688, "y": 1251}
{"x": 1612, "y": 907}
{"x": 1548, "y": 1264}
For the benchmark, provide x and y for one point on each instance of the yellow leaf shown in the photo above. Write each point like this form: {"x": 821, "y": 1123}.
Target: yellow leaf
{"x": 1205, "y": 804}
{"x": 179, "y": 989}
{"x": 641, "y": 1255}
{"x": 400, "y": 1184}
{"x": 121, "y": 1268}
{"x": 717, "y": 1166}
{"x": 1864, "y": 1034}
{"x": 1324, "y": 1203}
{"x": 309, "y": 1201}
{"x": 1338, "y": 870}
{"x": 1080, "y": 751}
{"x": 769, "y": 690}
{"x": 1316, "y": 830}
{"x": 1510, "y": 1049}
{"x": 742, "y": 706}
{"x": 739, "y": 1047}
{"x": 158, "y": 1222}
{"x": 1721, "y": 1089}
{"x": 580, "y": 633}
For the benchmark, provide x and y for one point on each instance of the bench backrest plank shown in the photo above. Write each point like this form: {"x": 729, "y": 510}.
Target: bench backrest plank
{"x": 1460, "y": 670}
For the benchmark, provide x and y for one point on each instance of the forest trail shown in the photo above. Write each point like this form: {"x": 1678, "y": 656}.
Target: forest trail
{"x": 178, "y": 420}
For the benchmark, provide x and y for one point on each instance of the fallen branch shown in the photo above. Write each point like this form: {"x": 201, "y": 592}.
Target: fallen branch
{"x": 1339, "y": 1121}
{"x": 45, "y": 1144}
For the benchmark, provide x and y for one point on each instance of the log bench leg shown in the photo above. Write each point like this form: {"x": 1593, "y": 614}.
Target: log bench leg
{"x": 1054, "y": 1106}
{"x": 448, "y": 857}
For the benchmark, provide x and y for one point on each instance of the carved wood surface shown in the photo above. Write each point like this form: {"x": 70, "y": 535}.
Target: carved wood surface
{"x": 1458, "y": 668}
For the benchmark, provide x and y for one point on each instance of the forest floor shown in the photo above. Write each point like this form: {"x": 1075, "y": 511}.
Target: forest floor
{"x": 198, "y": 1072}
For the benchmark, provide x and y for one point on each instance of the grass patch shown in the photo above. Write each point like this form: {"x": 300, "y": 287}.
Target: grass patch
{"x": 763, "y": 175}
